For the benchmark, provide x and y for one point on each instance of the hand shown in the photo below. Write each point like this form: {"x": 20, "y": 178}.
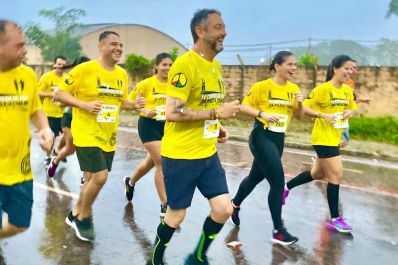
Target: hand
{"x": 330, "y": 118}
{"x": 223, "y": 136}
{"x": 46, "y": 139}
{"x": 348, "y": 114}
{"x": 93, "y": 106}
{"x": 148, "y": 112}
{"x": 228, "y": 109}
{"x": 299, "y": 97}
{"x": 270, "y": 118}
{"x": 139, "y": 101}
{"x": 364, "y": 100}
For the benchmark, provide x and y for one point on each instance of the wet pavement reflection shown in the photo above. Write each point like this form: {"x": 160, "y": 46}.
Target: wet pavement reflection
{"x": 125, "y": 231}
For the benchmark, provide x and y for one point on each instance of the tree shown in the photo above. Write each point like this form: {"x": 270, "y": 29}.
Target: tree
{"x": 138, "y": 66}
{"x": 326, "y": 51}
{"x": 385, "y": 53}
{"x": 174, "y": 53}
{"x": 392, "y": 8}
{"x": 62, "y": 40}
{"x": 308, "y": 60}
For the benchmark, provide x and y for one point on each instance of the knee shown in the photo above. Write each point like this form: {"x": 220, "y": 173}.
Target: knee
{"x": 336, "y": 178}
{"x": 99, "y": 179}
{"x": 174, "y": 218}
{"x": 221, "y": 213}
{"x": 11, "y": 230}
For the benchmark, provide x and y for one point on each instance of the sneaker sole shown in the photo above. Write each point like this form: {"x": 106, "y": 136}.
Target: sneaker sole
{"x": 283, "y": 243}
{"x": 232, "y": 222}
{"x": 78, "y": 233}
{"x": 68, "y": 222}
{"x": 335, "y": 229}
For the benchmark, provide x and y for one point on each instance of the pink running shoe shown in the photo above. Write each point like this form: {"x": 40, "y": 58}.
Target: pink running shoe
{"x": 338, "y": 225}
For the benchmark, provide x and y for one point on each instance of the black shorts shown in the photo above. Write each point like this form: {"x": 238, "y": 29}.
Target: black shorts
{"x": 17, "y": 200}
{"x": 94, "y": 159}
{"x": 66, "y": 120}
{"x": 55, "y": 125}
{"x": 324, "y": 151}
{"x": 182, "y": 176}
{"x": 150, "y": 130}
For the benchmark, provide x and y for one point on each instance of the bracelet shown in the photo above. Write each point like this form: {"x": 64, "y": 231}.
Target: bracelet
{"x": 259, "y": 114}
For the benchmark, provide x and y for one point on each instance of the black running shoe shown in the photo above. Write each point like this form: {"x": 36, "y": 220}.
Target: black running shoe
{"x": 235, "y": 215}
{"x": 282, "y": 236}
{"x": 128, "y": 190}
{"x": 163, "y": 209}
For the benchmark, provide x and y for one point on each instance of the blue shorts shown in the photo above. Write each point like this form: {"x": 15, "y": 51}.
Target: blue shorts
{"x": 182, "y": 176}
{"x": 16, "y": 201}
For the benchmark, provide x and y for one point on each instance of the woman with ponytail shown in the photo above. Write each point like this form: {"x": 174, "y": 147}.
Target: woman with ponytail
{"x": 331, "y": 104}
{"x": 272, "y": 103}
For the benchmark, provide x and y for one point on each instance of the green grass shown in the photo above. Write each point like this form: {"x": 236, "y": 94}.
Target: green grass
{"x": 380, "y": 129}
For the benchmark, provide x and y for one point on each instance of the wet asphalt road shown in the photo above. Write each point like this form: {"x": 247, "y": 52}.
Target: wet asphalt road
{"x": 125, "y": 231}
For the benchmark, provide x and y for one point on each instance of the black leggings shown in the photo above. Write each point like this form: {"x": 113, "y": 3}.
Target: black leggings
{"x": 267, "y": 148}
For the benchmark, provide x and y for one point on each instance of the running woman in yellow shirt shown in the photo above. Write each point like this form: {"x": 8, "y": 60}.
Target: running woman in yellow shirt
{"x": 331, "y": 104}
{"x": 97, "y": 90}
{"x": 151, "y": 127}
{"x": 54, "y": 110}
{"x": 272, "y": 103}
{"x": 19, "y": 105}
{"x": 194, "y": 103}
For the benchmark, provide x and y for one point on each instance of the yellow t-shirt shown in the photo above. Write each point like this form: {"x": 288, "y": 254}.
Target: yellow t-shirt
{"x": 19, "y": 99}
{"x": 330, "y": 100}
{"x": 89, "y": 82}
{"x": 199, "y": 83}
{"x": 154, "y": 93}
{"x": 272, "y": 98}
{"x": 49, "y": 82}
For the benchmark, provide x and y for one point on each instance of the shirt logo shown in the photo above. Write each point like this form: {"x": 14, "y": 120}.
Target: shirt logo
{"x": 69, "y": 79}
{"x": 179, "y": 80}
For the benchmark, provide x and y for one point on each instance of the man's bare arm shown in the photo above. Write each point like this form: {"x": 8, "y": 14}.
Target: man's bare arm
{"x": 176, "y": 111}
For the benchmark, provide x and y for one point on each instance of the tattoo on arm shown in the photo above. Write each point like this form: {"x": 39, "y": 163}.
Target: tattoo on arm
{"x": 182, "y": 113}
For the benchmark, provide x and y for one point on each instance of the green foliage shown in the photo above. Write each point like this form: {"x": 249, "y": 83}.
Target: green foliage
{"x": 138, "y": 66}
{"x": 61, "y": 41}
{"x": 392, "y": 8}
{"x": 308, "y": 60}
{"x": 174, "y": 53}
{"x": 381, "y": 129}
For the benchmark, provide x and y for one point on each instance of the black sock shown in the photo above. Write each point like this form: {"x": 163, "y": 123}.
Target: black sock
{"x": 163, "y": 236}
{"x": 209, "y": 233}
{"x": 333, "y": 199}
{"x": 300, "y": 179}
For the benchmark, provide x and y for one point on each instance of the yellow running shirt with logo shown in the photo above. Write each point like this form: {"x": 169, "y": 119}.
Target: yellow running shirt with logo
{"x": 271, "y": 98}
{"x": 49, "y": 82}
{"x": 199, "y": 83}
{"x": 330, "y": 100}
{"x": 19, "y": 99}
{"x": 91, "y": 82}
{"x": 154, "y": 93}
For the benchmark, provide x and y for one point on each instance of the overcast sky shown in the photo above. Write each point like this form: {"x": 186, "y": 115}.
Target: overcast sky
{"x": 247, "y": 21}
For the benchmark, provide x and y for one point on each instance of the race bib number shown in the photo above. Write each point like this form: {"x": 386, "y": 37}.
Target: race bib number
{"x": 211, "y": 129}
{"x": 107, "y": 113}
{"x": 280, "y": 126}
{"x": 340, "y": 122}
{"x": 161, "y": 113}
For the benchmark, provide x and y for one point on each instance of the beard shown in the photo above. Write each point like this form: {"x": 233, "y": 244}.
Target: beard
{"x": 214, "y": 46}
